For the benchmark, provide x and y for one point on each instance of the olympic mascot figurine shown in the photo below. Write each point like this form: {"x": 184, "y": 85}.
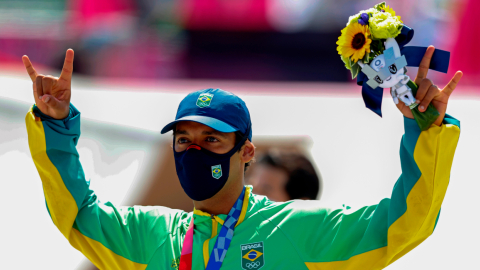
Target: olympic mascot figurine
{"x": 372, "y": 46}
{"x": 392, "y": 64}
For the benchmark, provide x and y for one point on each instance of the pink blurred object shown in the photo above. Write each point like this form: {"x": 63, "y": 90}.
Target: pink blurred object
{"x": 465, "y": 50}
{"x": 92, "y": 8}
{"x": 245, "y": 15}
{"x": 91, "y": 16}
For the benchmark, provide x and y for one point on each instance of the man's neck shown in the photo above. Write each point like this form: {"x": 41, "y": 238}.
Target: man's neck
{"x": 223, "y": 201}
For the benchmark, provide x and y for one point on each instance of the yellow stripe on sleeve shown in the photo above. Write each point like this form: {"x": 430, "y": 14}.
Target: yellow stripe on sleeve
{"x": 423, "y": 203}
{"x": 61, "y": 204}
{"x": 98, "y": 254}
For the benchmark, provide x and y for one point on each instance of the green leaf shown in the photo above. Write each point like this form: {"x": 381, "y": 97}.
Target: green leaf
{"x": 347, "y": 61}
{"x": 377, "y": 46}
{"x": 355, "y": 70}
{"x": 380, "y": 6}
{"x": 366, "y": 58}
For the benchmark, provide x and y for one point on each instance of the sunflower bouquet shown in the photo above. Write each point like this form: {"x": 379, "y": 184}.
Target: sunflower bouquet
{"x": 364, "y": 36}
{"x": 369, "y": 47}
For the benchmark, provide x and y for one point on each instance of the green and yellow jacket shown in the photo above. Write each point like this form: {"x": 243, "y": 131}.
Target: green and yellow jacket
{"x": 269, "y": 235}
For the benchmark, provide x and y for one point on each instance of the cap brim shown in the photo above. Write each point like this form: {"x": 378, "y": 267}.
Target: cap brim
{"x": 208, "y": 121}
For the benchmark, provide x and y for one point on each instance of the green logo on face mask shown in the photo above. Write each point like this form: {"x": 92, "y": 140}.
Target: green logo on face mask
{"x": 204, "y": 100}
{"x": 252, "y": 256}
{"x": 217, "y": 171}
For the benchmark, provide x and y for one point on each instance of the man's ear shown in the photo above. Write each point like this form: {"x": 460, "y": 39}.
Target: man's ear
{"x": 248, "y": 151}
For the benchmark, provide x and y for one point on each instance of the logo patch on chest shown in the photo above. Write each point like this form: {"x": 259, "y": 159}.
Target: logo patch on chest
{"x": 252, "y": 256}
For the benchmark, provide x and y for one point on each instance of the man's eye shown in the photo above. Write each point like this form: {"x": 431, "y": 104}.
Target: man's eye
{"x": 182, "y": 140}
{"x": 211, "y": 139}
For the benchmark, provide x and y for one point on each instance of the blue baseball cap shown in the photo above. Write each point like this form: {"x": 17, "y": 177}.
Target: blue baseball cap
{"x": 216, "y": 108}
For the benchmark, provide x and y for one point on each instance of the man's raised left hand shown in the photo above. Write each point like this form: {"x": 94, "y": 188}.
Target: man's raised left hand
{"x": 429, "y": 92}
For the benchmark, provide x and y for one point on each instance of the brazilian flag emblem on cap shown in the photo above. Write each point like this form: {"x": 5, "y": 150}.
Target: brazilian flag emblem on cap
{"x": 217, "y": 171}
{"x": 204, "y": 100}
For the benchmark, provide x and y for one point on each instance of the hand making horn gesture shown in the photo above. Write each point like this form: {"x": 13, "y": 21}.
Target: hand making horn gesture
{"x": 428, "y": 92}
{"x": 52, "y": 94}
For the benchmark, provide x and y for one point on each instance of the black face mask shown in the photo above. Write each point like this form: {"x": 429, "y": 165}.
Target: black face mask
{"x": 203, "y": 173}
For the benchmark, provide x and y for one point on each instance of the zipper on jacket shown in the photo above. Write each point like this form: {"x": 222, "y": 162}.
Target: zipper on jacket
{"x": 206, "y": 250}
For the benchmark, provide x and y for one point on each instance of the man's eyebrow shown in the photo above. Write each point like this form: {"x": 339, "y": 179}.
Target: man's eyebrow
{"x": 180, "y": 132}
{"x": 218, "y": 133}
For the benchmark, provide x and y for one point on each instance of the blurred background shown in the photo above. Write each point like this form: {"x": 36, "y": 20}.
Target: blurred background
{"x": 280, "y": 40}
{"x": 136, "y": 59}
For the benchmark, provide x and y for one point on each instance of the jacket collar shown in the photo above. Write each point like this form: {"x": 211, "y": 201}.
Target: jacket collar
{"x": 201, "y": 216}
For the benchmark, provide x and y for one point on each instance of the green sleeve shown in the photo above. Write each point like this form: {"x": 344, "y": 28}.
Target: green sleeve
{"x": 107, "y": 235}
{"x": 374, "y": 236}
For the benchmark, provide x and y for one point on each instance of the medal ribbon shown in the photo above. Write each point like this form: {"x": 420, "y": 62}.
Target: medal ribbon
{"x": 221, "y": 245}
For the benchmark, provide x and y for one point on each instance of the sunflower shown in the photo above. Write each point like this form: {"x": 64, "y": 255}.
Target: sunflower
{"x": 354, "y": 41}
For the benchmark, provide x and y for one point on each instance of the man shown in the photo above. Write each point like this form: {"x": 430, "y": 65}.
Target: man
{"x": 231, "y": 227}
{"x": 283, "y": 175}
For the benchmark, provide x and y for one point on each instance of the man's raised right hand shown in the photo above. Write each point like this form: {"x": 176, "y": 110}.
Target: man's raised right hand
{"x": 52, "y": 94}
